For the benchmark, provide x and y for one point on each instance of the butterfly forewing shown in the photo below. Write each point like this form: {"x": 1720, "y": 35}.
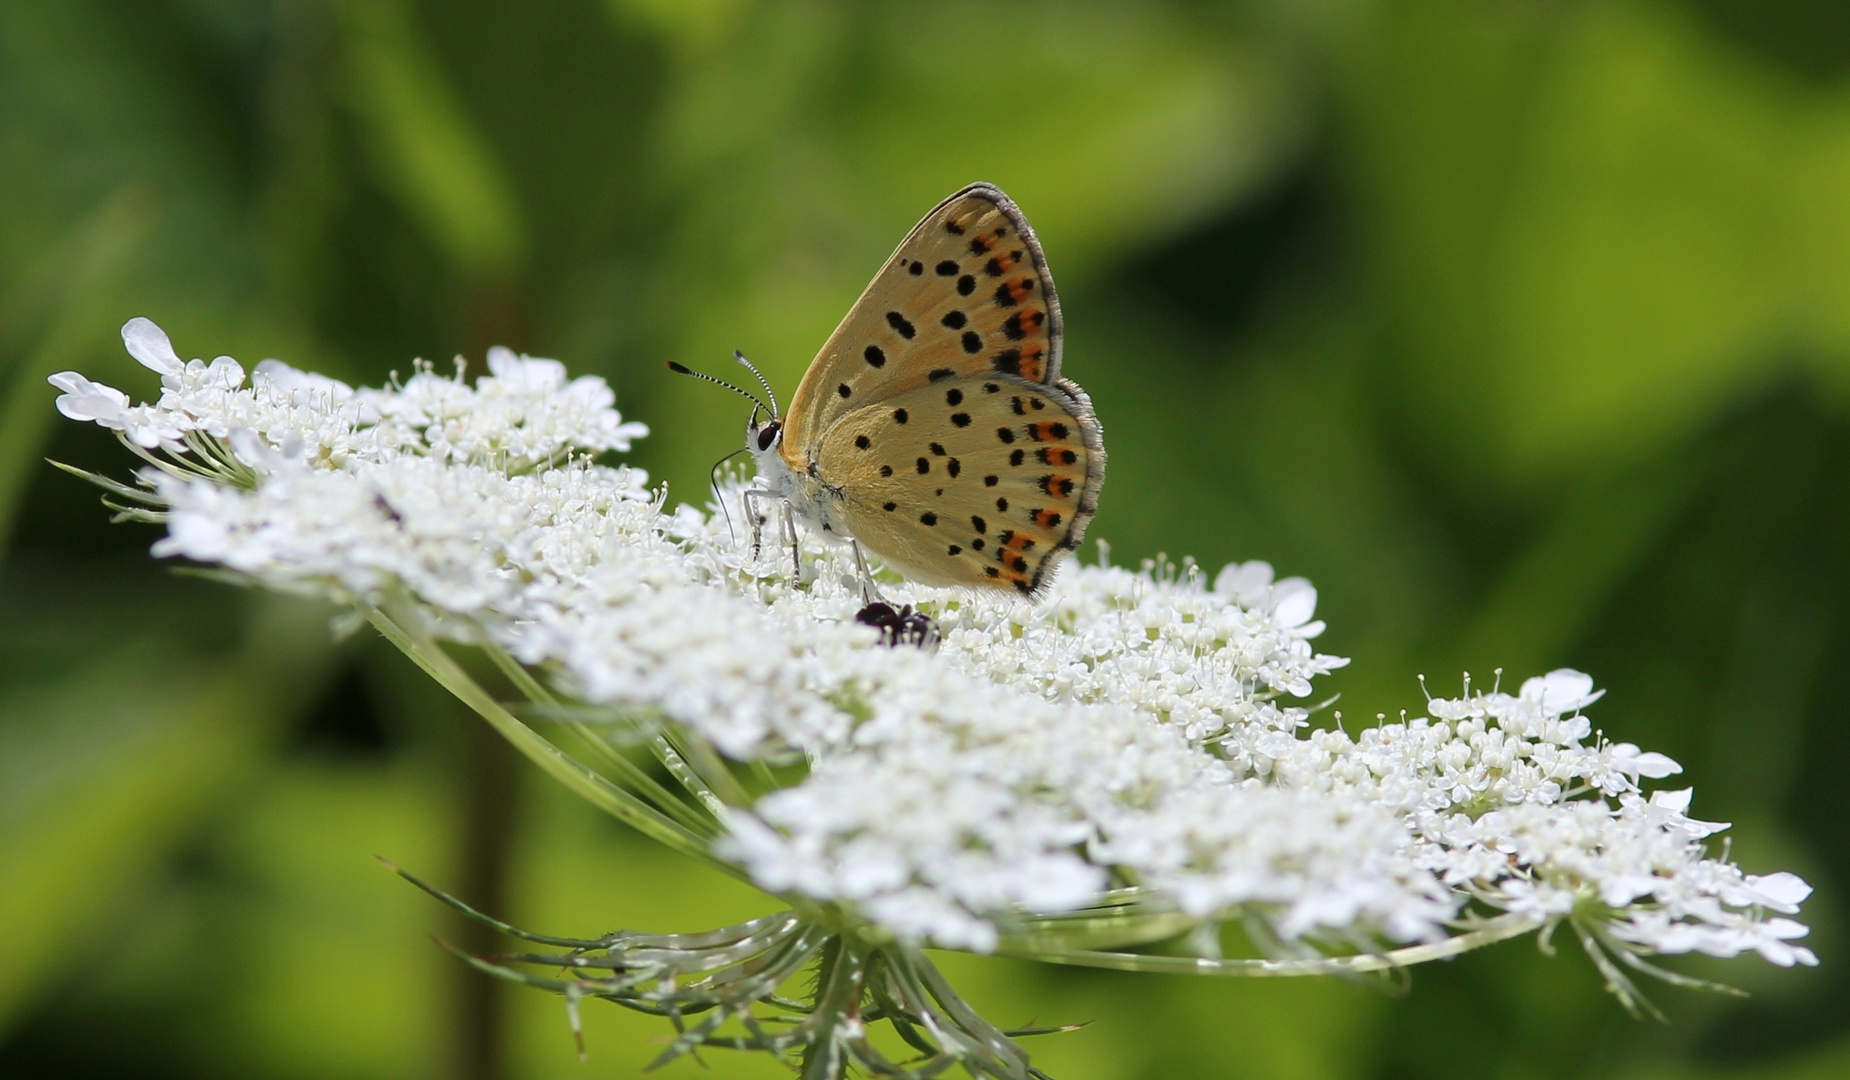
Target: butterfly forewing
{"x": 967, "y": 293}
{"x": 975, "y": 480}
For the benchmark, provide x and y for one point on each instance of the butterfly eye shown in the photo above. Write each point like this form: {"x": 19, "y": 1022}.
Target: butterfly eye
{"x": 767, "y": 435}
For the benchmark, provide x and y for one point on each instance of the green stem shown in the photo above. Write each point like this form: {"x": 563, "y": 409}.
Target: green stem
{"x": 689, "y": 778}
{"x": 1501, "y": 928}
{"x": 665, "y": 800}
{"x": 582, "y": 781}
{"x": 1103, "y": 932}
{"x": 837, "y": 1006}
{"x": 712, "y": 770}
{"x": 674, "y": 806}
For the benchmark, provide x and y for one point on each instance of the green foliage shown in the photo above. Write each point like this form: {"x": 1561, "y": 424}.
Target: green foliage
{"x": 1520, "y": 328}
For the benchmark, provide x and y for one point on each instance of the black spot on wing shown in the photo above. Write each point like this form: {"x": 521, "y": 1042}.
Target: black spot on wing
{"x": 899, "y": 416}
{"x": 953, "y": 397}
{"x": 901, "y": 325}
{"x": 874, "y": 355}
{"x": 947, "y": 268}
{"x": 1008, "y": 361}
{"x": 862, "y": 442}
{"x": 961, "y": 419}
{"x": 924, "y": 466}
{"x": 954, "y": 319}
{"x": 966, "y": 285}
{"x": 973, "y": 342}
{"x": 842, "y": 389}
{"x": 1007, "y": 435}
{"x": 928, "y": 518}
{"x": 941, "y": 374}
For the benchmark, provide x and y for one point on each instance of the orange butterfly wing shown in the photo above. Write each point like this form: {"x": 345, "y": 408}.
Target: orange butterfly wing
{"x": 965, "y": 304}
{"x": 966, "y": 292}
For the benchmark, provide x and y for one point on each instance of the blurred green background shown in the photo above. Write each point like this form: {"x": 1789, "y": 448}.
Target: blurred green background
{"x": 1522, "y": 327}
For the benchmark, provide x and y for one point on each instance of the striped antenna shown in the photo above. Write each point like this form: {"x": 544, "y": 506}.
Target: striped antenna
{"x": 683, "y": 369}
{"x": 762, "y": 381}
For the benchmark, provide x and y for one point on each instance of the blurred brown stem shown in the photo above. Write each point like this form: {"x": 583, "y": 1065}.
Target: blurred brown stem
{"x": 489, "y": 778}
{"x": 489, "y": 774}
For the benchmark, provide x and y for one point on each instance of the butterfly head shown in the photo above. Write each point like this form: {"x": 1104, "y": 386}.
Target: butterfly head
{"x": 763, "y": 438}
{"x": 765, "y": 442}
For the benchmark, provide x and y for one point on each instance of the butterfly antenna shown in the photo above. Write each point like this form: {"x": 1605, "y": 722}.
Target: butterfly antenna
{"x": 683, "y": 369}
{"x": 762, "y": 381}
{"x": 713, "y": 478}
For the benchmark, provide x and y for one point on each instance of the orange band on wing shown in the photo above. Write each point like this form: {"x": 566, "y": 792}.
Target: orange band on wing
{"x": 1060, "y": 487}
{"x": 1010, "y": 293}
{"x": 1002, "y": 263}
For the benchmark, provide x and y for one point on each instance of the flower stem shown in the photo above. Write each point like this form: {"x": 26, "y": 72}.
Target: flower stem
{"x": 626, "y": 769}
{"x": 576, "y": 777}
{"x": 1498, "y": 929}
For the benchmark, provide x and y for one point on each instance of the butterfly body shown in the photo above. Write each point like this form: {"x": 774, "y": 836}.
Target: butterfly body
{"x": 804, "y": 492}
{"x": 933, "y": 427}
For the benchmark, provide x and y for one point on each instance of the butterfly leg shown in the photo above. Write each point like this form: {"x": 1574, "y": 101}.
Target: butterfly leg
{"x": 750, "y": 497}
{"x": 790, "y": 534}
{"x": 869, "y": 593}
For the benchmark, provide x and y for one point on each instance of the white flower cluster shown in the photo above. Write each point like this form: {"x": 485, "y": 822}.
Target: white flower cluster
{"x": 522, "y": 415}
{"x": 1135, "y": 728}
{"x": 1516, "y": 800}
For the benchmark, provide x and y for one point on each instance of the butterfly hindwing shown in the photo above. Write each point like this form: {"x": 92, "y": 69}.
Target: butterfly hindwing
{"x": 966, "y": 293}
{"x": 977, "y": 480}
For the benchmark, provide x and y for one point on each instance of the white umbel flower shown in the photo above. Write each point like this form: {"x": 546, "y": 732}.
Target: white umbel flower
{"x": 1140, "y": 728}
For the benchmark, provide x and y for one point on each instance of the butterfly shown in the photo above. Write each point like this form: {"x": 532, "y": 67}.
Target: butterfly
{"x": 934, "y": 428}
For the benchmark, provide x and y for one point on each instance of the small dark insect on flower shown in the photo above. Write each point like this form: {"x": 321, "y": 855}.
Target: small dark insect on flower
{"x": 901, "y": 626}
